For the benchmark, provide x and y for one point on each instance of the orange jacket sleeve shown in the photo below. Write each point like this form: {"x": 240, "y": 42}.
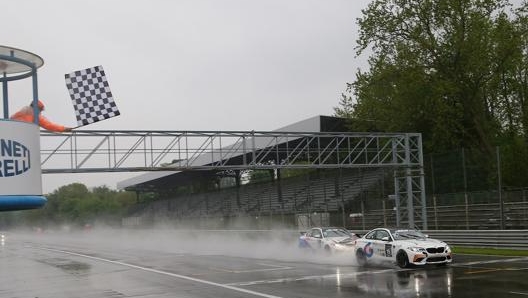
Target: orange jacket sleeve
{"x": 22, "y": 116}
{"x": 45, "y": 123}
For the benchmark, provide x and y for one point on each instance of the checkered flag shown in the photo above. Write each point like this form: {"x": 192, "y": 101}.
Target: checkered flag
{"x": 91, "y": 95}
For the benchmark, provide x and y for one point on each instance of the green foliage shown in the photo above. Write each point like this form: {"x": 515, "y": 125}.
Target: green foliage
{"x": 454, "y": 70}
{"x": 75, "y": 205}
{"x": 290, "y": 173}
{"x": 514, "y": 160}
{"x": 346, "y": 105}
{"x": 257, "y": 176}
{"x": 447, "y": 170}
{"x": 489, "y": 251}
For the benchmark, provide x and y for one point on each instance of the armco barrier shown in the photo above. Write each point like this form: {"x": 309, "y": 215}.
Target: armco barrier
{"x": 507, "y": 239}
{"x": 510, "y": 239}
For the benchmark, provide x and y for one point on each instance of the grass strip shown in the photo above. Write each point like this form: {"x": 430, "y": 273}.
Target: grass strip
{"x": 490, "y": 251}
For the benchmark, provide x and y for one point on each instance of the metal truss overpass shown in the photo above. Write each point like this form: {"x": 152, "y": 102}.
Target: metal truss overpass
{"x": 91, "y": 151}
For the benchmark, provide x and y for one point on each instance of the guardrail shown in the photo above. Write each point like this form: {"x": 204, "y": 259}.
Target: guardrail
{"x": 510, "y": 239}
{"x": 505, "y": 239}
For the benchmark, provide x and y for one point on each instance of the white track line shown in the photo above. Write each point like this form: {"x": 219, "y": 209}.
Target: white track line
{"x": 490, "y": 262}
{"x": 294, "y": 279}
{"x": 275, "y": 268}
{"x": 519, "y": 293}
{"x": 161, "y": 272}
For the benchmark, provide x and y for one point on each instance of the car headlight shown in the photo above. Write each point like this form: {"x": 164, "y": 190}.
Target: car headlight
{"x": 416, "y": 249}
{"x": 447, "y": 248}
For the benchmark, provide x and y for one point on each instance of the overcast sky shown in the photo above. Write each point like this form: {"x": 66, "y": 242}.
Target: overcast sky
{"x": 188, "y": 65}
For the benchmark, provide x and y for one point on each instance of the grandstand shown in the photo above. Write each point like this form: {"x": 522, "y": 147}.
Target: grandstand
{"x": 317, "y": 169}
{"x": 357, "y": 195}
{"x": 333, "y": 192}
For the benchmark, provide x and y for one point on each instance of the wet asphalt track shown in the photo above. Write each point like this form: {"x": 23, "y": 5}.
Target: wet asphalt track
{"x": 43, "y": 266}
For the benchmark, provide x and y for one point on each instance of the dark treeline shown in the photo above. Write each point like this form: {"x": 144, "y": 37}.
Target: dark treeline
{"x": 454, "y": 70}
{"x": 74, "y": 206}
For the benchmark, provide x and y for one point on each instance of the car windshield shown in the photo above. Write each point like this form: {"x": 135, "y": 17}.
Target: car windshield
{"x": 407, "y": 234}
{"x": 328, "y": 233}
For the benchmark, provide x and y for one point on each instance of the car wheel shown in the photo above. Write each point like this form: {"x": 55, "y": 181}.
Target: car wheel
{"x": 402, "y": 260}
{"x": 328, "y": 250}
{"x": 361, "y": 258}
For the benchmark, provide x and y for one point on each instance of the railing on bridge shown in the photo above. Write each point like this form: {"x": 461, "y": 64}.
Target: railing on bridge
{"x": 112, "y": 151}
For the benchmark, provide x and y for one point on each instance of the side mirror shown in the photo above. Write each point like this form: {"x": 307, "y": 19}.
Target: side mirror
{"x": 386, "y": 238}
{"x": 317, "y": 236}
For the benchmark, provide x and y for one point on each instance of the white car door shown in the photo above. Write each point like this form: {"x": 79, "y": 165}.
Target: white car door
{"x": 382, "y": 244}
{"x": 368, "y": 244}
{"x": 377, "y": 245}
{"x": 315, "y": 238}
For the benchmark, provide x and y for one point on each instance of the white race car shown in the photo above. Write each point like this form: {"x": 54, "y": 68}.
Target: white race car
{"x": 329, "y": 239}
{"x": 401, "y": 246}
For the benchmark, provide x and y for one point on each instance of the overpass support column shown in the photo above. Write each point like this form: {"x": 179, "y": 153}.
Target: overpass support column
{"x": 409, "y": 183}
{"x": 279, "y": 189}
{"x": 237, "y": 181}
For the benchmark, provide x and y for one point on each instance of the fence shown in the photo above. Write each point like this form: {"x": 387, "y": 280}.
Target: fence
{"x": 510, "y": 239}
{"x": 469, "y": 177}
{"x": 465, "y": 189}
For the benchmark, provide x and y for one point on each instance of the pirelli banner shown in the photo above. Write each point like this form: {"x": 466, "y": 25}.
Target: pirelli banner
{"x": 20, "y": 172}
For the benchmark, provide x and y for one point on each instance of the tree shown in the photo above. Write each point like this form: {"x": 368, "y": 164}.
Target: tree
{"x": 346, "y": 104}
{"x": 76, "y": 205}
{"x": 454, "y": 70}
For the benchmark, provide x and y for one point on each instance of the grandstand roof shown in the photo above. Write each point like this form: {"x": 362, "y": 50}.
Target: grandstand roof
{"x": 169, "y": 179}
